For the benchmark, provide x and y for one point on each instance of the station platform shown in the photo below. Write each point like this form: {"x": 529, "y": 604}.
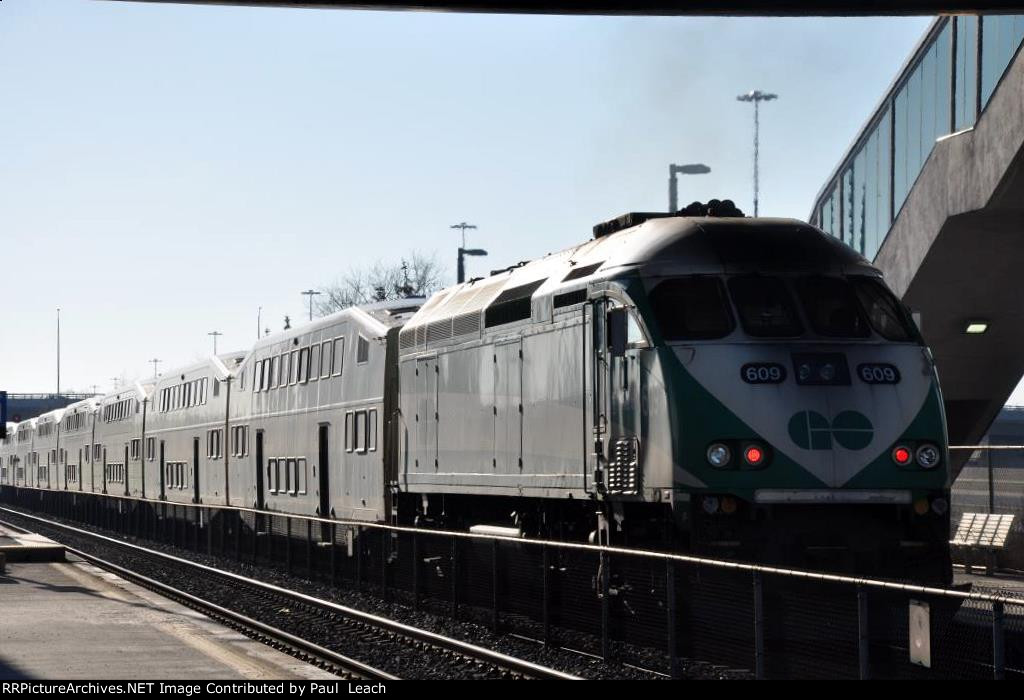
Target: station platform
{"x": 71, "y": 620}
{"x": 20, "y": 546}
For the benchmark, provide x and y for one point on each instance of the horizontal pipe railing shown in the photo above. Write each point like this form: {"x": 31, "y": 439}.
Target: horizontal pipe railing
{"x": 598, "y": 549}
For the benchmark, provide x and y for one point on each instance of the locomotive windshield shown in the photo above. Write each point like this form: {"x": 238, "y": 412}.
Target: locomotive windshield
{"x": 692, "y": 308}
{"x": 832, "y": 308}
{"x": 765, "y": 307}
{"x": 698, "y": 308}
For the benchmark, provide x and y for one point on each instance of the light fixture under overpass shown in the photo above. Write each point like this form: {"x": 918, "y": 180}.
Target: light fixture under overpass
{"x": 976, "y": 327}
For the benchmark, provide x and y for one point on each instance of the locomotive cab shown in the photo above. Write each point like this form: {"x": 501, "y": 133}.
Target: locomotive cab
{"x": 789, "y": 390}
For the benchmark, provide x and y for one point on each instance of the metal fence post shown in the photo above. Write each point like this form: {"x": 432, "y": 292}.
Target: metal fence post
{"x": 358, "y": 536}
{"x": 605, "y": 606}
{"x": 545, "y": 563}
{"x": 309, "y": 548}
{"x": 455, "y": 577}
{"x": 863, "y": 640}
{"x": 384, "y": 541}
{"x": 288, "y": 544}
{"x": 495, "y": 621}
{"x": 671, "y": 614}
{"x": 334, "y": 554}
{"x": 415, "y": 571}
{"x": 758, "y": 626}
{"x": 998, "y": 641}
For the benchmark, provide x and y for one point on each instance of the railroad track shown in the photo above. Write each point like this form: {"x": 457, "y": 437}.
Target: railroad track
{"x": 314, "y": 629}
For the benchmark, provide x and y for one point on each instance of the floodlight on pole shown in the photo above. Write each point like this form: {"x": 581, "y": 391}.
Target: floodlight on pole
{"x": 311, "y": 293}
{"x": 215, "y": 334}
{"x": 673, "y": 186}
{"x": 757, "y": 97}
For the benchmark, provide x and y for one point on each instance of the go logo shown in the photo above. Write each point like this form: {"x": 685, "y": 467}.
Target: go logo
{"x": 812, "y": 431}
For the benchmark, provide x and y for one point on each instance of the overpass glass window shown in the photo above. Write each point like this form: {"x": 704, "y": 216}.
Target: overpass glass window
{"x": 966, "y": 72}
{"x": 765, "y": 307}
{"x": 828, "y": 214}
{"x": 884, "y": 312}
{"x": 691, "y": 308}
{"x": 866, "y": 190}
{"x": 832, "y": 308}
{"x": 922, "y": 113}
{"x": 1000, "y": 37}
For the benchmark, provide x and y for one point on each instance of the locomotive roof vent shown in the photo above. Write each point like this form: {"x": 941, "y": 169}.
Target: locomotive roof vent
{"x": 714, "y": 207}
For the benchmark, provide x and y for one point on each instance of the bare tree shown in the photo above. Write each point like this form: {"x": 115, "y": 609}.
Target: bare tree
{"x": 418, "y": 274}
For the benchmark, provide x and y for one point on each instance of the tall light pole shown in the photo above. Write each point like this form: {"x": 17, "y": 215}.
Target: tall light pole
{"x": 757, "y": 97}
{"x": 311, "y": 293}
{"x": 259, "y": 314}
{"x": 58, "y": 351}
{"x": 673, "y": 187}
{"x": 215, "y": 334}
{"x": 155, "y": 362}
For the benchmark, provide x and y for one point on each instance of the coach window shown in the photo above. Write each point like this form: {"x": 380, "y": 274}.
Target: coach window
{"x": 216, "y": 388}
{"x": 293, "y": 367}
{"x": 372, "y": 430}
{"x": 301, "y": 480}
{"x": 303, "y": 365}
{"x": 348, "y": 431}
{"x": 362, "y": 350}
{"x": 314, "y": 362}
{"x": 325, "y": 359}
{"x": 339, "y": 357}
{"x": 287, "y": 464}
{"x": 282, "y": 375}
{"x": 361, "y": 432}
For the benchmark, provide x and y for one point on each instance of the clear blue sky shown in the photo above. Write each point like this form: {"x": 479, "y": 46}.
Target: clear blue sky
{"x": 167, "y": 169}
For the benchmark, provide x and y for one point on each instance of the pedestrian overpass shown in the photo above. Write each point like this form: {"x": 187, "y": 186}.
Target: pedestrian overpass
{"x": 933, "y": 190}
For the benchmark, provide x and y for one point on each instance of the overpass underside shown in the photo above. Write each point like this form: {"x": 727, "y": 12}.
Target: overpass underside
{"x": 955, "y": 253}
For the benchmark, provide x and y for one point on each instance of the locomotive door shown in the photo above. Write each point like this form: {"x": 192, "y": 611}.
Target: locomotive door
{"x": 427, "y": 416}
{"x": 617, "y": 392}
{"x": 508, "y": 407}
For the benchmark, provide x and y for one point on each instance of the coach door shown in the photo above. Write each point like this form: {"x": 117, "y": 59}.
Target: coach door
{"x": 259, "y": 470}
{"x": 195, "y": 470}
{"x": 323, "y": 473}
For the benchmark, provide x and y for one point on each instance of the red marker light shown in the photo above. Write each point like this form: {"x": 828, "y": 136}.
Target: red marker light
{"x": 901, "y": 455}
{"x": 754, "y": 455}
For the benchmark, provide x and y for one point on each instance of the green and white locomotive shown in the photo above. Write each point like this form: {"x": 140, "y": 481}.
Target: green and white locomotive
{"x": 740, "y": 388}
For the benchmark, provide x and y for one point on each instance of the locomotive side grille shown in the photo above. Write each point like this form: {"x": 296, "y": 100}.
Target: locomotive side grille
{"x": 439, "y": 330}
{"x": 407, "y": 339}
{"x": 623, "y": 470}
{"x": 465, "y": 324}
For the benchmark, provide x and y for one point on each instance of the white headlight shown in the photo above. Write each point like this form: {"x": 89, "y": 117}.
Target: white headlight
{"x": 928, "y": 456}
{"x": 719, "y": 455}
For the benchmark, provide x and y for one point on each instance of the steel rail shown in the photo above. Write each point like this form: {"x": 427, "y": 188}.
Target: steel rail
{"x": 520, "y": 666}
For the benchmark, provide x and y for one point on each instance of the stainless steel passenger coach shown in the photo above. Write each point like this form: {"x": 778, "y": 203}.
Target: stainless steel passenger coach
{"x": 745, "y": 388}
